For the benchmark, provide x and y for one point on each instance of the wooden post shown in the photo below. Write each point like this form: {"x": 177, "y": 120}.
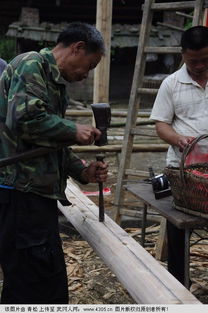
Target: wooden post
{"x": 102, "y": 71}
{"x": 161, "y": 245}
{"x": 205, "y": 18}
{"x": 205, "y": 14}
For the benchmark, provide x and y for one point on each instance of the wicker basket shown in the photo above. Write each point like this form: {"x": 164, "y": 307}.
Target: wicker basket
{"x": 190, "y": 191}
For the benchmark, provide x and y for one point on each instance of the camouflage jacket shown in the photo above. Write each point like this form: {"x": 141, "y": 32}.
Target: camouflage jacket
{"x": 32, "y": 107}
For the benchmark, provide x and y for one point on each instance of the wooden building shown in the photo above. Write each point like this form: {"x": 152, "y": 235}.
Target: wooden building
{"x": 46, "y": 18}
{"x": 57, "y": 11}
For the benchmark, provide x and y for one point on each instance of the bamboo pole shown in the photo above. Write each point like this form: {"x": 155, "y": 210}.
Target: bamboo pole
{"x": 117, "y": 148}
{"x": 114, "y": 113}
{"x": 138, "y": 122}
{"x": 102, "y": 71}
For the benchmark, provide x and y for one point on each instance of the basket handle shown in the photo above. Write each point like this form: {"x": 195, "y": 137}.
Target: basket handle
{"x": 188, "y": 148}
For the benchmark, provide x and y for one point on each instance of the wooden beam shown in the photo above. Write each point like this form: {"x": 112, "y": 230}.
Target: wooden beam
{"x": 205, "y": 17}
{"x": 149, "y": 147}
{"x": 134, "y": 172}
{"x": 144, "y": 132}
{"x": 162, "y": 50}
{"x": 148, "y": 91}
{"x": 197, "y": 18}
{"x": 114, "y": 113}
{"x": 170, "y": 26}
{"x": 171, "y": 6}
{"x": 145, "y": 279}
{"x": 102, "y": 71}
{"x": 138, "y": 214}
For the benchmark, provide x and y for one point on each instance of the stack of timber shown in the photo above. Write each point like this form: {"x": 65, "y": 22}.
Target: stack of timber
{"x": 144, "y": 278}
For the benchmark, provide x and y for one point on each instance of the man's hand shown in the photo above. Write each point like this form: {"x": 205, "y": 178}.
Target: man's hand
{"x": 86, "y": 134}
{"x": 168, "y": 134}
{"x": 183, "y": 141}
{"x": 96, "y": 172}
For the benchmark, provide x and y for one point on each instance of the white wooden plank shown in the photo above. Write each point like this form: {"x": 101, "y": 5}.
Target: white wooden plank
{"x": 144, "y": 278}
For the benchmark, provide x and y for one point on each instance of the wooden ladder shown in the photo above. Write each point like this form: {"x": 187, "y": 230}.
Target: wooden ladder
{"x": 149, "y": 7}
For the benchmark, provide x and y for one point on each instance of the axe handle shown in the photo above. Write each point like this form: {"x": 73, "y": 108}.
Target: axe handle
{"x": 101, "y": 203}
{"x": 100, "y": 157}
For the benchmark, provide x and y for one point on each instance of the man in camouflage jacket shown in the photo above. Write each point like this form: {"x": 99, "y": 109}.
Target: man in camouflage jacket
{"x": 3, "y": 64}
{"x": 32, "y": 107}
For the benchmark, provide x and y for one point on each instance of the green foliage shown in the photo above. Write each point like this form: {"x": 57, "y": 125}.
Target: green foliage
{"x": 188, "y": 23}
{"x": 7, "y": 48}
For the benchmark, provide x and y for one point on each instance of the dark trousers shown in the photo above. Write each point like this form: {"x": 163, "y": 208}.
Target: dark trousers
{"x": 176, "y": 246}
{"x": 31, "y": 254}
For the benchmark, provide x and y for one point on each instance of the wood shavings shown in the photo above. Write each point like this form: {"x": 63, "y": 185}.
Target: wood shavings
{"x": 97, "y": 270}
{"x": 69, "y": 250}
{"x": 71, "y": 268}
{"x": 72, "y": 279}
{"x": 73, "y": 256}
{"x": 108, "y": 295}
{"x": 88, "y": 253}
{"x": 75, "y": 287}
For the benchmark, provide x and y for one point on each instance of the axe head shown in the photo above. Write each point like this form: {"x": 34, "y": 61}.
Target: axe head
{"x": 102, "y": 115}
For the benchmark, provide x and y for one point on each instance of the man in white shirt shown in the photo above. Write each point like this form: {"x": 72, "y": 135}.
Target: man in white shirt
{"x": 181, "y": 113}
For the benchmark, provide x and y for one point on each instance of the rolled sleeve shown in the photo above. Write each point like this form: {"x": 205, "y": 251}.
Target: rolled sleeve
{"x": 163, "y": 109}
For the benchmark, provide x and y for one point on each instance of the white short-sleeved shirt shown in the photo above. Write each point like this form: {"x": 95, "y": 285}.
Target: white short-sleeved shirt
{"x": 182, "y": 103}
